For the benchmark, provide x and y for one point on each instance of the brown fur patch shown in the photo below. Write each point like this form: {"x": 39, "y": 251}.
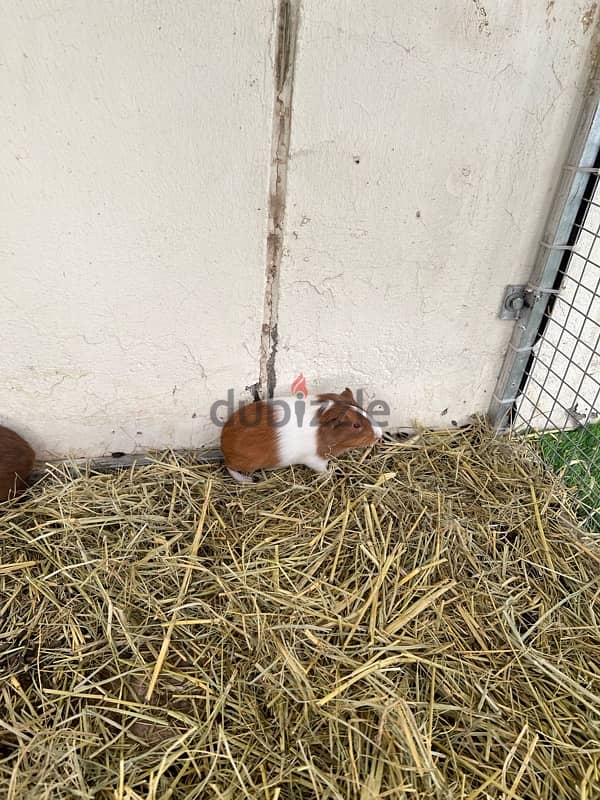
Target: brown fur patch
{"x": 342, "y": 427}
{"x": 344, "y": 397}
{"x": 16, "y": 462}
{"x": 248, "y": 438}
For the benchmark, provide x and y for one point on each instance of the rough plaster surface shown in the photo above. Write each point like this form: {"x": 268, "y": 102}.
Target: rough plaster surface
{"x": 135, "y": 161}
{"x": 426, "y": 142}
{"x": 135, "y": 155}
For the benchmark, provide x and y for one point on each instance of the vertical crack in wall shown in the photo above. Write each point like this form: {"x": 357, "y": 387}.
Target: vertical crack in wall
{"x": 287, "y": 14}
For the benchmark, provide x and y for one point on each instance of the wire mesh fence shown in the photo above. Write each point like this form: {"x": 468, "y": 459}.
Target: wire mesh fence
{"x": 560, "y": 398}
{"x": 549, "y": 389}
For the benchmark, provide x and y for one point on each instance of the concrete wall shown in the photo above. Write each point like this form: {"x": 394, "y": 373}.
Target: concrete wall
{"x": 136, "y": 161}
{"x": 426, "y": 142}
{"x": 136, "y": 148}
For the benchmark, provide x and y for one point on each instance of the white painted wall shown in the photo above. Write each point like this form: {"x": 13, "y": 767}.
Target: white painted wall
{"x": 459, "y": 113}
{"x": 135, "y": 161}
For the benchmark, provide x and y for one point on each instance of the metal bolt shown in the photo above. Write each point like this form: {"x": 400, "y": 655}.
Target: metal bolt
{"x": 515, "y": 302}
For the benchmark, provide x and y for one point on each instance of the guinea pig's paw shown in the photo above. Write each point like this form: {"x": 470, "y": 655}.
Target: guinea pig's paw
{"x": 317, "y": 463}
{"x": 324, "y": 474}
{"x": 239, "y": 476}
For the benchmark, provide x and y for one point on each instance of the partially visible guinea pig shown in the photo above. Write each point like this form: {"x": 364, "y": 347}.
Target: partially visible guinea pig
{"x": 16, "y": 463}
{"x": 284, "y": 431}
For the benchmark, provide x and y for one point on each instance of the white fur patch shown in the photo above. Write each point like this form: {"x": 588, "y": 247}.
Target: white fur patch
{"x": 239, "y": 477}
{"x": 296, "y": 429}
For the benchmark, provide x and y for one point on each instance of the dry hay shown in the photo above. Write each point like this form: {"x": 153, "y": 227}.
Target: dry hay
{"x": 422, "y": 625}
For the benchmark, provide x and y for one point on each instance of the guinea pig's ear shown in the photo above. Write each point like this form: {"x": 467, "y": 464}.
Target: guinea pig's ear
{"x": 347, "y": 395}
{"x": 333, "y": 416}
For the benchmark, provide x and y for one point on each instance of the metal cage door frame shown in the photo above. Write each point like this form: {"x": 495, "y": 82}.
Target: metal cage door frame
{"x": 579, "y": 179}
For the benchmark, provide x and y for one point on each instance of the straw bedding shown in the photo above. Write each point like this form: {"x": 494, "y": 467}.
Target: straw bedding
{"x": 424, "y": 624}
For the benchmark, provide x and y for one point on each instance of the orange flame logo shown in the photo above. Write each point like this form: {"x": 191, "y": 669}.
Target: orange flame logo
{"x": 299, "y": 385}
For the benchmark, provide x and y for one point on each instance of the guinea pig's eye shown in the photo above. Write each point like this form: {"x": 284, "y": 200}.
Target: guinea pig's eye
{"x": 356, "y": 425}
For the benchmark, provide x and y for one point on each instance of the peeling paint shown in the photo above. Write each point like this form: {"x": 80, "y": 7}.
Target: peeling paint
{"x": 588, "y": 17}
{"x": 270, "y": 370}
{"x": 253, "y": 390}
{"x": 483, "y": 26}
{"x": 287, "y": 31}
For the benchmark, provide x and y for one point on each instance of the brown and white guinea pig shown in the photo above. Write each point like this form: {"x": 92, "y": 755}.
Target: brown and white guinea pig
{"x": 16, "y": 463}
{"x": 287, "y": 430}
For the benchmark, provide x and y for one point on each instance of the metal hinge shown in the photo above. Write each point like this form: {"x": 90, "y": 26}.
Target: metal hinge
{"x": 518, "y": 297}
